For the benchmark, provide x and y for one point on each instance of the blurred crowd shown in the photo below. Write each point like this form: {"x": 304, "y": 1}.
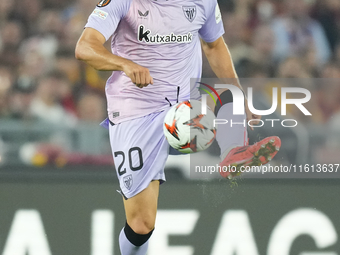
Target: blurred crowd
{"x": 285, "y": 39}
{"x": 39, "y": 76}
{"x": 288, "y": 39}
{"x": 41, "y": 79}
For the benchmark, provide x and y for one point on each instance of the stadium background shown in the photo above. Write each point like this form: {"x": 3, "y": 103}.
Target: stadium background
{"x": 57, "y": 183}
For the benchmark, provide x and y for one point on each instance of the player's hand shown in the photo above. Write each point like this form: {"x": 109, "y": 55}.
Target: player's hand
{"x": 139, "y": 75}
{"x": 251, "y": 116}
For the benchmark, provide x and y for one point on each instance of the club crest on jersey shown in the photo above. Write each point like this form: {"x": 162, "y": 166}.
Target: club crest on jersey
{"x": 189, "y": 12}
{"x": 103, "y": 3}
{"x": 128, "y": 181}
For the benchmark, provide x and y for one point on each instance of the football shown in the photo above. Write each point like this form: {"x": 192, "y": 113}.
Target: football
{"x": 187, "y": 129}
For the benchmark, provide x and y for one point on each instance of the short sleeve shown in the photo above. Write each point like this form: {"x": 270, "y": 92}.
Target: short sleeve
{"x": 213, "y": 27}
{"x": 107, "y": 15}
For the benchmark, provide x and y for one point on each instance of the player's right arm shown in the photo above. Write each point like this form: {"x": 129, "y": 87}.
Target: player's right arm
{"x": 90, "y": 49}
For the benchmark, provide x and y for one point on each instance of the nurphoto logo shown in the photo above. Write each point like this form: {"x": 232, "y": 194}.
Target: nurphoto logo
{"x": 239, "y": 103}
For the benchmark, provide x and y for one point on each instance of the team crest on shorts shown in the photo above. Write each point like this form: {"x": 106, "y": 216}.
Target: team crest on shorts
{"x": 128, "y": 181}
{"x": 189, "y": 12}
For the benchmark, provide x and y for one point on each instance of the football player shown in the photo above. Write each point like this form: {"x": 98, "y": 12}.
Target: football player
{"x": 156, "y": 49}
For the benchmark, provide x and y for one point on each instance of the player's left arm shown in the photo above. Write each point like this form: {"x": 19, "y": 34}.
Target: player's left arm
{"x": 220, "y": 59}
{"x": 221, "y": 63}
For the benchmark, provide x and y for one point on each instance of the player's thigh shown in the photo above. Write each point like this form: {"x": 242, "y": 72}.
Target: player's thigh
{"x": 140, "y": 151}
{"x": 141, "y": 209}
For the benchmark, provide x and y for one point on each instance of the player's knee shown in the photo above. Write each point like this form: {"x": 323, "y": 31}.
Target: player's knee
{"x": 137, "y": 238}
{"x": 142, "y": 226}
